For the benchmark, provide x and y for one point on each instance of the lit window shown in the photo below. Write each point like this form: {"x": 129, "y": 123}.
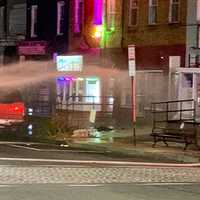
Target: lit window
{"x": 34, "y": 17}
{"x": 153, "y": 4}
{"x": 2, "y": 28}
{"x": 2, "y": 8}
{"x": 111, "y": 13}
{"x": 60, "y": 17}
{"x": 133, "y": 13}
{"x": 92, "y": 90}
{"x": 198, "y": 10}
{"x": 79, "y": 16}
{"x": 174, "y": 11}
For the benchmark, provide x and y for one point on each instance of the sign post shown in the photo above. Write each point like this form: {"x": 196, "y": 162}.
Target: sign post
{"x": 132, "y": 73}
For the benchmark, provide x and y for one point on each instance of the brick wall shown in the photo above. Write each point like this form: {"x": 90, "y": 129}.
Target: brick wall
{"x": 163, "y": 33}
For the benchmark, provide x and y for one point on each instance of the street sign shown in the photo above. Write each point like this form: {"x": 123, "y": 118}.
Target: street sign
{"x": 131, "y": 64}
{"x": 131, "y": 52}
{"x": 131, "y": 60}
{"x": 132, "y": 73}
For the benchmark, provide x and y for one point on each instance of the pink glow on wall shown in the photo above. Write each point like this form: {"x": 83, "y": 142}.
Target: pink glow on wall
{"x": 76, "y": 21}
{"x": 78, "y": 15}
{"x": 98, "y": 12}
{"x": 198, "y": 10}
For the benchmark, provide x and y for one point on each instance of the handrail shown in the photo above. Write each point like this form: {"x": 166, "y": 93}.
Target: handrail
{"x": 167, "y": 110}
{"x": 174, "y": 101}
{"x": 76, "y": 100}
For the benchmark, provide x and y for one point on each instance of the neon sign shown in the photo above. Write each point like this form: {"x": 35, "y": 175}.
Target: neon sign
{"x": 98, "y": 12}
{"x": 69, "y": 63}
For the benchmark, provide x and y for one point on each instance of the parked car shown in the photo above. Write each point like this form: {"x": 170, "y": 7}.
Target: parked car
{"x": 12, "y": 109}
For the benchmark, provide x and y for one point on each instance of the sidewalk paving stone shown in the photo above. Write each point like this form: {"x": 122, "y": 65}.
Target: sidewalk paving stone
{"x": 121, "y": 143}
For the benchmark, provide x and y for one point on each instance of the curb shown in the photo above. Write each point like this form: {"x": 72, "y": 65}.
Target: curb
{"x": 104, "y": 162}
{"x": 138, "y": 153}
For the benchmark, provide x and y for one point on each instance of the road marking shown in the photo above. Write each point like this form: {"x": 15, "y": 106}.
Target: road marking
{"x": 105, "y": 162}
{"x": 161, "y": 184}
{"x": 52, "y": 150}
{"x": 5, "y": 186}
{"x": 24, "y": 147}
{"x": 84, "y": 185}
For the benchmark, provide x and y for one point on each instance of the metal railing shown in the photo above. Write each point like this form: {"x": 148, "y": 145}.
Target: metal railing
{"x": 173, "y": 110}
{"x": 86, "y": 103}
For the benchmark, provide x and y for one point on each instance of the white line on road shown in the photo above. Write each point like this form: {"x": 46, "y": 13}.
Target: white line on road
{"x": 52, "y": 150}
{"x": 83, "y": 185}
{"x": 5, "y": 186}
{"x": 105, "y": 162}
{"x": 161, "y": 184}
{"x": 24, "y": 147}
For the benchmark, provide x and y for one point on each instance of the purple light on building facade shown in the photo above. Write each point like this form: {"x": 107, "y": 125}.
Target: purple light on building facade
{"x": 98, "y": 12}
{"x": 66, "y": 78}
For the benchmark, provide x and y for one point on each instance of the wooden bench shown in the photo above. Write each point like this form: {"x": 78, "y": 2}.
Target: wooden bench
{"x": 178, "y": 131}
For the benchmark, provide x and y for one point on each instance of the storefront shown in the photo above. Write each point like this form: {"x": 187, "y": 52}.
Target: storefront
{"x": 79, "y": 93}
{"x": 82, "y": 87}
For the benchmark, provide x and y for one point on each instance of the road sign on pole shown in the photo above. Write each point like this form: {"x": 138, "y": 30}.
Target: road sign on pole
{"x": 132, "y": 73}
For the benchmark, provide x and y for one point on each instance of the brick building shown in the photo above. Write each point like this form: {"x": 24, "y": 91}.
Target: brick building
{"x": 12, "y": 28}
{"x": 158, "y": 29}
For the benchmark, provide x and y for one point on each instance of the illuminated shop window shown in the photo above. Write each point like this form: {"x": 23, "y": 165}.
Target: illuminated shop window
{"x": 174, "y": 11}
{"x": 79, "y": 16}
{"x": 111, "y": 14}
{"x": 64, "y": 90}
{"x": 60, "y": 17}
{"x": 153, "y": 5}
{"x": 133, "y": 13}
{"x": 34, "y": 20}
{"x": 92, "y": 90}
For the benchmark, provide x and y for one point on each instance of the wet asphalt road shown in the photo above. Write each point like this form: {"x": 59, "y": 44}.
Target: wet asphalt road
{"x": 43, "y": 151}
{"x": 41, "y": 180}
{"x": 99, "y": 192}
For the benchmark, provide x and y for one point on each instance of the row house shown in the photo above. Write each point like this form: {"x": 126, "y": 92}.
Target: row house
{"x": 94, "y": 36}
{"x": 158, "y": 30}
{"x": 82, "y": 39}
{"x": 12, "y": 28}
{"x": 47, "y": 30}
{"x": 47, "y": 24}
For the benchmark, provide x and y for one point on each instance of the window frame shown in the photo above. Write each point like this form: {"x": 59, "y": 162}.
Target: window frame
{"x": 171, "y": 4}
{"x": 132, "y": 7}
{"x": 34, "y": 20}
{"x": 2, "y": 11}
{"x": 78, "y": 17}
{"x": 198, "y": 36}
{"x": 2, "y": 17}
{"x": 60, "y": 4}
{"x": 111, "y": 12}
{"x": 151, "y": 6}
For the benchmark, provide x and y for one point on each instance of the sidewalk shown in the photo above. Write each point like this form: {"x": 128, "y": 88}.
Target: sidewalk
{"x": 120, "y": 143}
